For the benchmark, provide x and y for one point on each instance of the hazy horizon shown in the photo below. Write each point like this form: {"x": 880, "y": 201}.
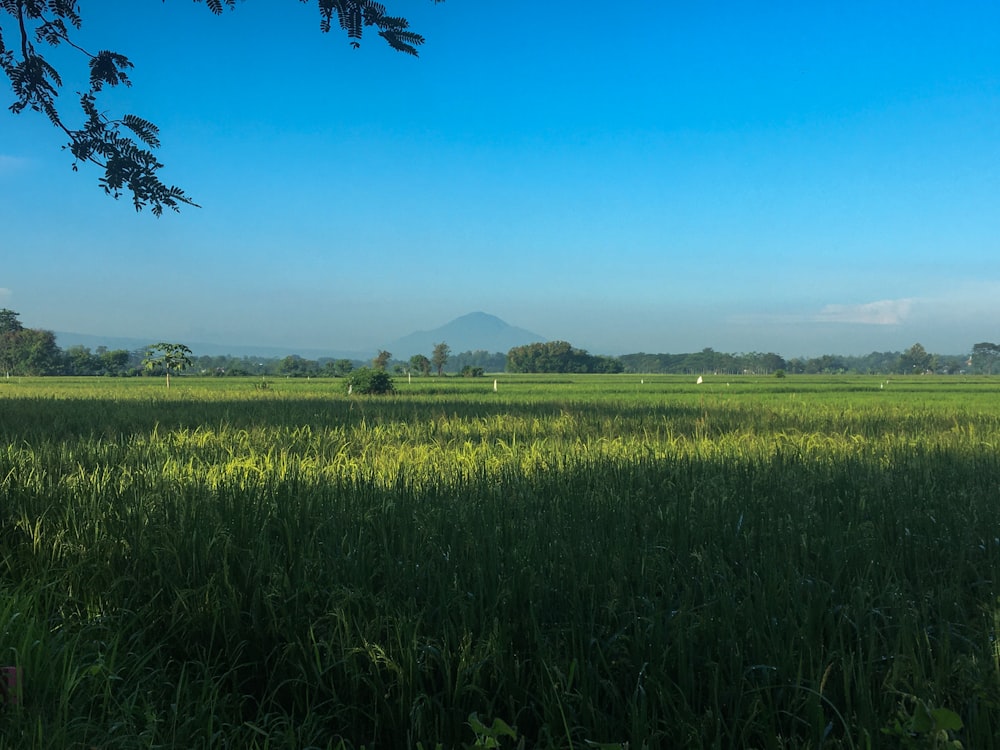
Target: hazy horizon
{"x": 66, "y": 339}
{"x": 793, "y": 178}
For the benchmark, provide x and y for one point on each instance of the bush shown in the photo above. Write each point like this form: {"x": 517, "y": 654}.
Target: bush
{"x": 779, "y": 373}
{"x": 369, "y": 382}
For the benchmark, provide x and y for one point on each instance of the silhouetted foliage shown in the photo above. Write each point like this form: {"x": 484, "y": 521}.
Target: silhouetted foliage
{"x": 122, "y": 146}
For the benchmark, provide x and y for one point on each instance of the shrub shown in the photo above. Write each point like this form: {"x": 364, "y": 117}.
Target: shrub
{"x": 369, "y": 382}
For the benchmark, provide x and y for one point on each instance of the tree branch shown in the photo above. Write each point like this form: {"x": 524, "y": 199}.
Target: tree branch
{"x": 126, "y": 165}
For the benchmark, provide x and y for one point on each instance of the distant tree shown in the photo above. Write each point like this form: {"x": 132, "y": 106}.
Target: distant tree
{"x": 81, "y": 361}
{"x": 420, "y": 363}
{"x": 342, "y": 368}
{"x": 757, "y": 363}
{"x": 369, "y": 382}
{"x": 950, "y": 365}
{"x": 558, "y": 356}
{"x": 875, "y": 363}
{"x": 488, "y": 361}
{"x": 114, "y": 362}
{"x": 294, "y": 366}
{"x": 168, "y": 357}
{"x": 10, "y": 329}
{"x": 9, "y": 322}
{"x": 986, "y": 357}
{"x": 122, "y": 146}
{"x": 472, "y": 372}
{"x": 828, "y": 364}
{"x": 26, "y": 351}
{"x": 709, "y": 360}
{"x": 914, "y": 360}
{"x": 607, "y": 365}
{"x": 653, "y": 363}
{"x": 381, "y": 361}
{"x": 39, "y": 353}
{"x": 439, "y": 357}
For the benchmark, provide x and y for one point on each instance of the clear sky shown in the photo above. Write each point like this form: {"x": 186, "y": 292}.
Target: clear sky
{"x": 659, "y": 176}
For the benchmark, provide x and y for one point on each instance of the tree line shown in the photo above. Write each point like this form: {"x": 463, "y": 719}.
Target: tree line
{"x": 984, "y": 359}
{"x": 559, "y": 357}
{"x": 30, "y": 351}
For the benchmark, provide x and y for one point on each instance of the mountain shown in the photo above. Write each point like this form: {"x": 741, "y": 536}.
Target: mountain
{"x": 472, "y": 332}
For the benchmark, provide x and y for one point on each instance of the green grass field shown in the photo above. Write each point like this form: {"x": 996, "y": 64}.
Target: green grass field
{"x": 593, "y": 561}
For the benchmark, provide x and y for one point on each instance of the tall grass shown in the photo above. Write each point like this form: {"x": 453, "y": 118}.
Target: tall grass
{"x": 766, "y": 564}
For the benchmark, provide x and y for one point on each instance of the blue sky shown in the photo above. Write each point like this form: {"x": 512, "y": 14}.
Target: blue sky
{"x": 796, "y": 177}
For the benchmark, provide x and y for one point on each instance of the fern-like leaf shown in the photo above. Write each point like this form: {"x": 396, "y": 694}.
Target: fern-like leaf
{"x": 403, "y": 41}
{"x": 394, "y": 23}
{"x": 52, "y": 31}
{"x": 146, "y": 131}
{"x": 350, "y": 19}
{"x": 109, "y": 67}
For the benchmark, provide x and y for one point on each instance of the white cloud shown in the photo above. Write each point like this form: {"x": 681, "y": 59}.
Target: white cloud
{"x": 880, "y": 313}
{"x": 886, "y": 312}
{"x": 953, "y": 317}
{"x": 5, "y": 294}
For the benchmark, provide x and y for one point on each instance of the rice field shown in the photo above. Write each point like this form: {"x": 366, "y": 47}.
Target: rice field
{"x": 565, "y": 562}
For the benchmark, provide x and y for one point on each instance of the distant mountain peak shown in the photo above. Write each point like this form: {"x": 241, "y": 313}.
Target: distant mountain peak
{"x": 470, "y": 332}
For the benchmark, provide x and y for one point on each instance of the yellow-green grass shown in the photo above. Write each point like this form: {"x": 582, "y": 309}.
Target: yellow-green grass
{"x": 749, "y": 562}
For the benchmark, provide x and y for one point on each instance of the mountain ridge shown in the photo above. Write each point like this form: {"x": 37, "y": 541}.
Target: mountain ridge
{"x": 470, "y": 332}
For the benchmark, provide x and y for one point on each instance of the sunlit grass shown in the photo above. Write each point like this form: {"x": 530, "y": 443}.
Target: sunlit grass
{"x": 751, "y": 563}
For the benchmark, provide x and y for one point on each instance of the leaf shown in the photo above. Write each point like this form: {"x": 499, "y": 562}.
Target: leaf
{"x": 501, "y": 727}
{"x": 921, "y": 722}
{"x": 146, "y": 131}
{"x": 108, "y": 67}
{"x": 477, "y": 726}
{"x": 946, "y": 719}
